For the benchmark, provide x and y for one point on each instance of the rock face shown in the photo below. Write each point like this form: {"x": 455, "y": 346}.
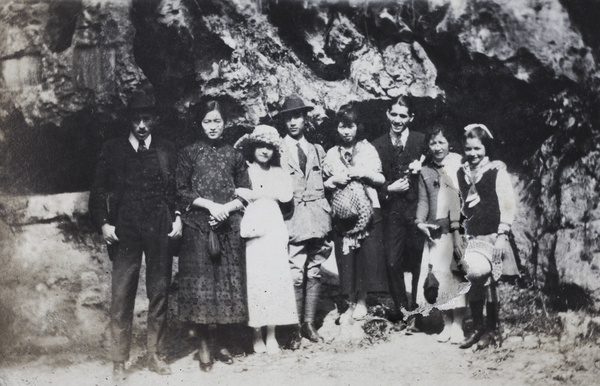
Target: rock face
{"x": 527, "y": 69}
{"x": 55, "y": 284}
{"x": 563, "y": 194}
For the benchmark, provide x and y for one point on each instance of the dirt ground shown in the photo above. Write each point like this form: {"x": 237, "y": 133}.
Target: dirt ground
{"x": 402, "y": 360}
{"x": 347, "y": 357}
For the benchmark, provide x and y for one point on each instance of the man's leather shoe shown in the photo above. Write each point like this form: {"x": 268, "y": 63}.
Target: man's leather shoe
{"x": 472, "y": 339}
{"x": 310, "y": 332}
{"x": 118, "y": 372}
{"x": 159, "y": 366}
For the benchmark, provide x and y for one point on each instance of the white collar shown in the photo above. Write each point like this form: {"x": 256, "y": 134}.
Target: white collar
{"x": 136, "y": 144}
{"x": 403, "y": 137}
{"x": 292, "y": 142}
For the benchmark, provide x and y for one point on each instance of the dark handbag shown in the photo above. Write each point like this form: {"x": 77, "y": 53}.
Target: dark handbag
{"x": 431, "y": 287}
{"x": 214, "y": 247}
{"x": 287, "y": 209}
{"x": 174, "y": 246}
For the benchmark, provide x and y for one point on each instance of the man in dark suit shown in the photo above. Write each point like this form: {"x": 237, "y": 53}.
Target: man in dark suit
{"x": 401, "y": 152}
{"x": 132, "y": 202}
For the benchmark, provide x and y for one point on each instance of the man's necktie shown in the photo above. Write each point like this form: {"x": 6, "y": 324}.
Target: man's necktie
{"x": 142, "y": 147}
{"x": 398, "y": 144}
{"x": 301, "y": 159}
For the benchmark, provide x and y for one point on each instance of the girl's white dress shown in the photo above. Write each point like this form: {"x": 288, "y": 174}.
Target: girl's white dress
{"x": 271, "y": 298}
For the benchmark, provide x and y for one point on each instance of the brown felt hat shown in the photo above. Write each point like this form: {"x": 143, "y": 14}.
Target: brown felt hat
{"x": 291, "y": 104}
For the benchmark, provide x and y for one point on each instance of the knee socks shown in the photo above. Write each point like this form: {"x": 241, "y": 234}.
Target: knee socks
{"x": 477, "y": 313}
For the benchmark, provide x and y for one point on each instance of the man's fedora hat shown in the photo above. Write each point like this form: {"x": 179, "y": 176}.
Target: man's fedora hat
{"x": 142, "y": 102}
{"x": 293, "y": 103}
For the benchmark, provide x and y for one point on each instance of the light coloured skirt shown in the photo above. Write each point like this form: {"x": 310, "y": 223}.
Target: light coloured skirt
{"x": 451, "y": 293}
{"x": 271, "y": 297}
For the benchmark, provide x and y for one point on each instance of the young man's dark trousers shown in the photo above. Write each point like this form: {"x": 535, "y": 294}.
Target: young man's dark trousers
{"x": 403, "y": 241}
{"x": 142, "y": 228}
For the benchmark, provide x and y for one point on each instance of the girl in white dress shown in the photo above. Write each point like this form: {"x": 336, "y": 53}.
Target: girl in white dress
{"x": 271, "y": 299}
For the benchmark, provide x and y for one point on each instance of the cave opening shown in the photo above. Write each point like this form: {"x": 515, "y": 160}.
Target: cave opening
{"x": 49, "y": 159}
{"x": 62, "y": 24}
{"x": 173, "y": 47}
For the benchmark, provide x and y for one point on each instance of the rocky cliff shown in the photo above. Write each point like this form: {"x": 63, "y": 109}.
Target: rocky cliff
{"x": 525, "y": 68}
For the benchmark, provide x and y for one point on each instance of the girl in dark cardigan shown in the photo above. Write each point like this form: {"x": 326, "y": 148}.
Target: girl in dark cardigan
{"x": 488, "y": 204}
{"x": 438, "y": 215}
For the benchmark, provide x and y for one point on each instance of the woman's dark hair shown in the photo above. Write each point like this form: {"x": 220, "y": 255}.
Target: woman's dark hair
{"x": 482, "y": 135}
{"x": 436, "y": 129}
{"x": 206, "y": 107}
{"x": 403, "y": 100}
{"x": 202, "y": 108}
{"x": 249, "y": 150}
{"x": 347, "y": 116}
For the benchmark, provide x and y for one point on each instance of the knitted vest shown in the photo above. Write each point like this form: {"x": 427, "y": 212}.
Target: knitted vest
{"x": 483, "y": 218}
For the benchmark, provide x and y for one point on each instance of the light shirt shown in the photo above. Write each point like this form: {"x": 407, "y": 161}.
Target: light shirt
{"x": 365, "y": 156}
{"x": 451, "y": 164}
{"x": 292, "y": 144}
{"x": 136, "y": 144}
{"x": 403, "y": 137}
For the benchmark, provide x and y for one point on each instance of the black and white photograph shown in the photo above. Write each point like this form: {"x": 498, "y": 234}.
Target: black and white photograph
{"x": 299, "y": 192}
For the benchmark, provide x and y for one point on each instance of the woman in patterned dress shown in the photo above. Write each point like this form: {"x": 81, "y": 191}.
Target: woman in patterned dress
{"x": 212, "y": 286}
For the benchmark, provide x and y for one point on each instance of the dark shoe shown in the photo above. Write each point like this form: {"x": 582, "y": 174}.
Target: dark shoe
{"x": 118, "y": 372}
{"x": 296, "y": 341}
{"x": 394, "y": 316}
{"x": 224, "y": 356}
{"x": 159, "y": 366}
{"x": 205, "y": 359}
{"x": 399, "y": 326}
{"x": 411, "y": 326}
{"x": 485, "y": 341}
{"x": 490, "y": 338}
{"x": 204, "y": 355}
{"x": 310, "y": 332}
{"x": 498, "y": 338}
{"x": 472, "y": 339}
{"x": 206, "y": 367}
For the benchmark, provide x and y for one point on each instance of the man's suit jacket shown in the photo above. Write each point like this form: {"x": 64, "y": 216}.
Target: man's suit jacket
{"x": 311, "y": 218}
{"x": 108, "y": 188}
{"x": 395, "y": 166}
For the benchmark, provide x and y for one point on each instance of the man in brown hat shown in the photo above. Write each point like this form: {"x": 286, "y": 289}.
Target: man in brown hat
{"x": 310, "y": 223}
{"x": 132, "y": 202}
